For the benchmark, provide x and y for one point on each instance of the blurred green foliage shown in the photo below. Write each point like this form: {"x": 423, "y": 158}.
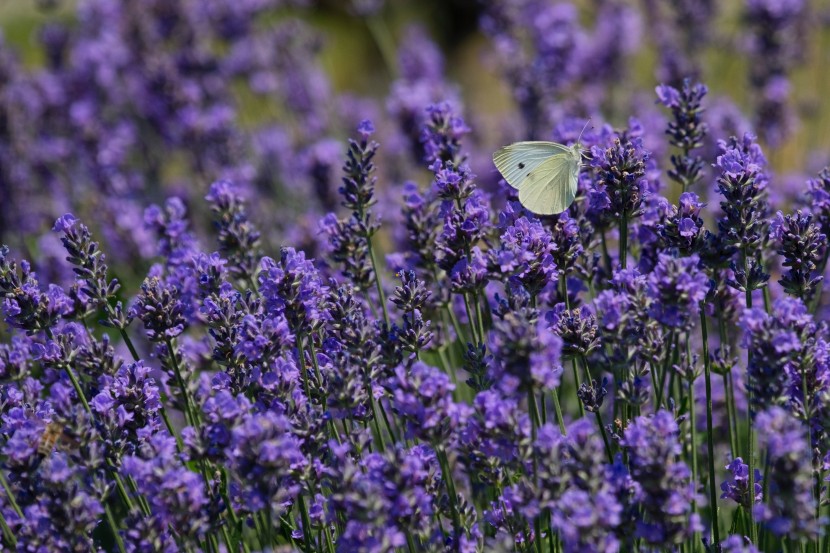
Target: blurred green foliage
{"x": 353, "y": 57}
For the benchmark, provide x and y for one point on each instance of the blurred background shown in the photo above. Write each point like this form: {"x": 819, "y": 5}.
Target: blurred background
{"x": 109, "y": 106}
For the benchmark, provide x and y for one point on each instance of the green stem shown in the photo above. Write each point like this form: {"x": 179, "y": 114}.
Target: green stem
{"x": 7, "y": 532}
{"x": 661, "y": 381}
{"x": 378, "y": 283}
{"x": 753, "y": 531}
{"x": 450, "y": 485}
{"x": 605, "y": 255}
{"x": 114, "y": 527}
{"x": 623, "y": 240}
{"x": 604, "y": 437}
{"x": 192, "y": 416}
{"x": 386, "y": 423}
{"x": 10, "y": 495}
{"x": 578, "y": 384}
{"x": 455, "y": 324}
{"x": 558, "y": 409}
{"x": 303, "y": 370}
{"x": 471, "y": 320}
{"x": 378, "y": 433}
{"x": 479, "y": 316}
{"x": 306, "y": 522}
{"x": 710, "y": 445}
{"x": 384, "y": 41}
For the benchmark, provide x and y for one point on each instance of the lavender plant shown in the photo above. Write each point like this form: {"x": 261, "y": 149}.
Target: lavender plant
{"x": 400, "y": 357}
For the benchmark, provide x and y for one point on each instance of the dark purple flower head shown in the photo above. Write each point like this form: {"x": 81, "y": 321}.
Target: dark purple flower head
{"x": 737, "y": 487}
{"x": 423, "y": 397}
{"x": 738, "y": 544}
{"x": 620, "y": 186}
{"x": 780, "y": 343}
{"x": 802, "y": 244}
{"x": 292, "y": 287}
{"x": 666, "y": 492}
{"x": 238, "y": 238}
{"x": 160, "y": 309}
{"x": 683, "y": 228}
{"x": 177, "y": 495}
{"x": 789, "y": 508}
{"x": 525, "y": 253}
{"x": 687, "y": 131}
{"x": 498, "y": 430}
{"x": 676, "y": 287}
{"x": 266, "y": 457}
{"x": 576, "y": 327}
{"x": 25, "y": 306}
{"x": 442, "y": 133}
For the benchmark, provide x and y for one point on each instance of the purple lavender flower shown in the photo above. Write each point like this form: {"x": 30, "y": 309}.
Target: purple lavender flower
{"x": 676, "y": 288}
{"x": 160, "y": 309}
{"x": 683, "y": 229}
{"x": 738, "y": 544}
{"x": 687, "y": 131}
{"x": 666, "y": 493}
{"x": 525, "y": 254}
{"x": 619, "y": 188}
{"x": 178, "y": 495}
{"x": 441, "y": 135}
{"x": 775, "y": 48}
{"x": 801, "y": 244}
{"x": 238, "y": 238}
{"x": 779, "y": 343}
{"x": 737, "y": 487}
{"x": 790, "y": 507}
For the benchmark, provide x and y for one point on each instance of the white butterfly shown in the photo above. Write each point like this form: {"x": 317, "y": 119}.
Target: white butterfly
{"x": 544, "y": 173}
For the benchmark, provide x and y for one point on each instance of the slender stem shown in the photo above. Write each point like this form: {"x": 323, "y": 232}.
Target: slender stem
{"x": 384, "y": 41}
{"x": 710, "y": 446}
{"x": 410, "y": 543}
{"x": 605, "y": 255}
{"x": 455, "y": 324}
{"x": 693, "y": 424}
{"x": 450, "y": 485}
{"x": 129, "y": 343}
{"x": 303, "y": 369}
{"x": 7, "y": 532}
{"x": 378, "y": 282}
{"x": 114, "y": 527}
{"x": 378, "y": 433}
{"x": 534, "y": 412}
{"x": 558, "y": 409}
{"x": 383, "y": 415}
{"x": 666, "y": 366}
{"x": 471, "y": 320}
{"x": 623, "y": 240}
{"x": 480, "y": 317}
{"x": 306, "y": 522}
{"x": 10, "y": 495}
{"x": 190, "y": 411}
{"x": 578, "y": 384}
{"x": 750, "y": 434}
{"x": 604, "y": 437}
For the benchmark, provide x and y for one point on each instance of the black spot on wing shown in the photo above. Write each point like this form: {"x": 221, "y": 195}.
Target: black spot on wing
{"x": 521, "y": 165}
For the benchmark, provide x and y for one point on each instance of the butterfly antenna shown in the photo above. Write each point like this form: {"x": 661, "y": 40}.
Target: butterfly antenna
{"x": 583, "y": 130}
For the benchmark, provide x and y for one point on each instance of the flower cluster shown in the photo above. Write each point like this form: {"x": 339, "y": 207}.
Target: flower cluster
{"x": 325, "y": 346}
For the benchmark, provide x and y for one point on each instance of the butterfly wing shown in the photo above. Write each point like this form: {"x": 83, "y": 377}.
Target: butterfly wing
{"x": 551, "y": 187}
{"x": 518, "y": 161}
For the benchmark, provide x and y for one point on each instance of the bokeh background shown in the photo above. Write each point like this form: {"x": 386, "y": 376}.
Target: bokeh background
{"x": 110, "y": 106}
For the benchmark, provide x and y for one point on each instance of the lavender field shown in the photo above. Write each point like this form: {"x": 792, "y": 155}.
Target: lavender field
{"x": 263, "y": 288}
